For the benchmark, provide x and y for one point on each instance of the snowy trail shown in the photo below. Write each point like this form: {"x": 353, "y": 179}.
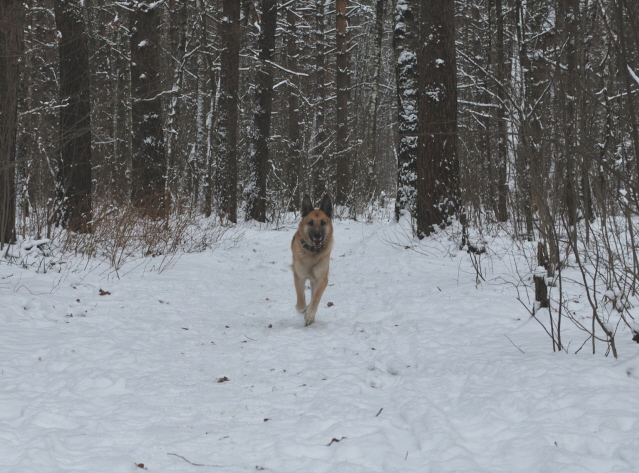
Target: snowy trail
{"x": 413, "y": 369}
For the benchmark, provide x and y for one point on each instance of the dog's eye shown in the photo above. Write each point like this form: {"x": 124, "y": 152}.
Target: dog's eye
{"x": 322, "y": 222}
{"x": 310, "y": 223}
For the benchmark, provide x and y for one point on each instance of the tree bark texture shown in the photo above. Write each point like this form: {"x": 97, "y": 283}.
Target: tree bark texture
{"x": 371, "y": 135}
{"x": 198, "y": 164}
{"x": 319, "y": 157}
{"x": 405, "y": 46}
{"x": 73, "y": 186}
{"x": 226, "y": 132}
{"x": 259, "y": 162}
{"x": 502, "y": 136}
{"x": 149, "y": 165}
{"x": 343, "y": 180}
{"x": 627, "y": 10}
{"x": 294, "y": 159}
{"x": 177, "y": 36}
{"x": 11, "y": 24}
{"x": 437, "y": 164}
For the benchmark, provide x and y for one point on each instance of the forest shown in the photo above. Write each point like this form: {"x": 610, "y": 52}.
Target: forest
{"x": 482, "y": 306}
{"x": 121, "y": 118}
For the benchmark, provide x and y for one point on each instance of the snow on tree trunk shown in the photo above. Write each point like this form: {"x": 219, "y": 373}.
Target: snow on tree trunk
{"x": 177, "y": 37}
{"x": 198, "y": 164}
{"x": 405, "y": 45}
{"x": 437, "y": 163}
{"x": 149, "y": 165}
{"x": 73, "y": 180}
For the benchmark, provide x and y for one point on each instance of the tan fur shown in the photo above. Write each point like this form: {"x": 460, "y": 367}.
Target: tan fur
{"x": 312, "y": 266}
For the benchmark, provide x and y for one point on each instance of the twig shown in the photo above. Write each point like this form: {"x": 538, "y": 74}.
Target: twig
{"x": 380, "y": 411}
{"x": 189, "y": 461}
{"x": 335, "y": 440}
{"x": 513, "y": 344}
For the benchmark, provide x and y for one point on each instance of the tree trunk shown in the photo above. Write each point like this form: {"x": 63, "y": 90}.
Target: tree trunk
{"x": 343, "y": 181}
{"x": 294, "y": 160}
{"x": 567, "y": 21}
{"x": 198, "y": 163}
{"x": 437, "y": 164}
{"x": 211, "y": 120}
{"x": 120, "y": 179}
{"x": 73, "y": 186}
{"x": 371, "y": 135}
{"x": 259, "y": 159}
{"x": 319, "y": 162}
{"x": 405, "y": 46}
{"x": 148, "y": 166}
{"x": 533, "y": 157}
{"x": 502, "y": 137}
{"x": 629, "y": 102}
{"x": 177, "y": 36}
{"x": 226, "y": 133}
{"x": 11, "y": 12}
{"x": 482, "y": 46}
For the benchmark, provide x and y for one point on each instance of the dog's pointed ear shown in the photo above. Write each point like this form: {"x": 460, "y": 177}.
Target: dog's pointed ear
{"x": 327, "y": 206}
{"x": 307, "y": 206}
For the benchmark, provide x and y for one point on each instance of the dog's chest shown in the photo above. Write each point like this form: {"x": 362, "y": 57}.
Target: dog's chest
{"x": 311, "y": 266}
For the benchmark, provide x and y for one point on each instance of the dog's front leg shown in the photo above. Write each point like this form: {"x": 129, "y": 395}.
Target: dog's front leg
{"x": 317, "y": 289}
{"x": 299, "y": 289}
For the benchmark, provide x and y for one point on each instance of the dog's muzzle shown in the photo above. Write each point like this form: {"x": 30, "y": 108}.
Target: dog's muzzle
{"x": 318, "y": 240}
{"x": 317, "y": 246}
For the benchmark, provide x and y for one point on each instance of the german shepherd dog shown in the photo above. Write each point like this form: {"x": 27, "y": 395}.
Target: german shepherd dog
{"x": 311, "y": 247}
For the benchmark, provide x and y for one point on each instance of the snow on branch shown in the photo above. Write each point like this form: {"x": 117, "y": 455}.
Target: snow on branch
{"x": 301, "y": 74}
{"x": 632, "y": 73}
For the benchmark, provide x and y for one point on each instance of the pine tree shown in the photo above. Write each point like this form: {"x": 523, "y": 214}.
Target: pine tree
{"x": 437, "y": 163}
{"x": 73, "y": 186}
{"x": 294, "y": 151}
{"x": 405, "y": 46}
{"x": 343, "y": 155}
{"x": 11, "y": 12}
{"x": 149, "y": 166}
{"x": 259, "y": 159}
{"x": 227, "y": 129}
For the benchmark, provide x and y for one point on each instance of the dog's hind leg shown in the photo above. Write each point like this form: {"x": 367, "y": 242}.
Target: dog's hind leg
{"x": 299, "y": 289}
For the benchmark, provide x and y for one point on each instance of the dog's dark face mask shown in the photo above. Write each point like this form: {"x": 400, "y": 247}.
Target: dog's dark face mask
{"x": 315, "y": 228}
{"x": 316, "y": 222}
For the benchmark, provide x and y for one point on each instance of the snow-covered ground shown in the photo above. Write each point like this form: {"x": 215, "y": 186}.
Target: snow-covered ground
{"x": 206, "y": 366}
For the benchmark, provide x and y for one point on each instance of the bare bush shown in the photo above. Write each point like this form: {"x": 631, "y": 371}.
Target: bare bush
{"x": 125, "y": 234}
